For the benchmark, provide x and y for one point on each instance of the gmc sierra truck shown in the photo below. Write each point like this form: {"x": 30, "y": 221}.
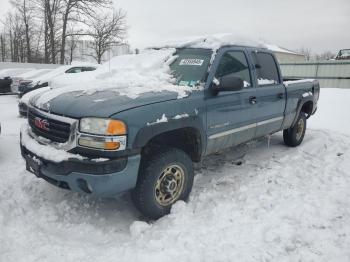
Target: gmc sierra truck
{"x": 148, "y": 143}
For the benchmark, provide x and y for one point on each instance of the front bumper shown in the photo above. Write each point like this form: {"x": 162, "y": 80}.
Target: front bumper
{"x": 93, "y": 177}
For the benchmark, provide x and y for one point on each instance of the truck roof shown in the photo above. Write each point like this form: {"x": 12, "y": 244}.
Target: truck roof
{"x": 213, "y": 42}
{"x": 217, "y": 41}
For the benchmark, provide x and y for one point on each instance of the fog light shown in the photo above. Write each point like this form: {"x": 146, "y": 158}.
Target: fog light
{"x": 103, "y": 143}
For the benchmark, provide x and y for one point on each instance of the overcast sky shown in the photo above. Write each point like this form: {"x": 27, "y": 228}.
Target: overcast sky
{"x": 317, "y": 24}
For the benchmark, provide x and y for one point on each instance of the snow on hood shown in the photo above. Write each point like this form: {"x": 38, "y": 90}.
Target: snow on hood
{"x": 127, "y": 75}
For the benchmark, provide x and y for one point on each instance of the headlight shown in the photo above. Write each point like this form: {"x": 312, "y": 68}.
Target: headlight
{"x": 100, "y": 133}
{"x": 101, "y": 126}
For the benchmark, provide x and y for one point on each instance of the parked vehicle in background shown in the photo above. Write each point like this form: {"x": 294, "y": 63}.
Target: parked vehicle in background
{"x": 141, "y": 125}
{"x": 45, "y": 79}
{"x": 6, "y": 76}
{"x": 27, "y": 78}
{"x": 343, "y": 54}
{"x": 25, "y": 88}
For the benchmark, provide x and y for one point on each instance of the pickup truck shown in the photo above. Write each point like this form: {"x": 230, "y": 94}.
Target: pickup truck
{"x": 105, "y": 142}
{"x": 343, "y": 54}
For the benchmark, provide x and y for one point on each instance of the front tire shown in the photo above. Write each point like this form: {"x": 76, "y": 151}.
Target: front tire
{"x": 295, "y": 135}
{"x": 164, "y": 178}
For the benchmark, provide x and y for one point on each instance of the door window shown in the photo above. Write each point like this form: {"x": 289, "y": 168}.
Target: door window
{"x": 234, "y": 63}
{"x": 266, "y": 69}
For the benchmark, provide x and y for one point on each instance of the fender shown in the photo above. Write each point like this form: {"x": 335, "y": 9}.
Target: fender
{"x": 146, "y": 133}
{"x": 302, "y": 101}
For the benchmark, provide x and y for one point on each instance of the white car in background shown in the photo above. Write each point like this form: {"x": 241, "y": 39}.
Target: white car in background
{"x": 56, "y": 78}
{"x": 46, "y": 79}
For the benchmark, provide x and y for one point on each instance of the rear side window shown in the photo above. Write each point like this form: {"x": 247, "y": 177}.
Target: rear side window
{"x": 266, "y": 69}
{"x": 234, "y": 63}
{"x": 87, "y": 69}
{"x": 74, "y": 70}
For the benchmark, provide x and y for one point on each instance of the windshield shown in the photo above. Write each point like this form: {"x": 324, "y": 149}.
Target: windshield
{"x": 190, "y": 66}
{"x": 345, "y": 52}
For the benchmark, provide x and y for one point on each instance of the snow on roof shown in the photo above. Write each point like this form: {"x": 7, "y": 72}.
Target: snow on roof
{"x": 218, "y": 40}
{"x": 212, "y": 41}
{"x": 278, "y": 49}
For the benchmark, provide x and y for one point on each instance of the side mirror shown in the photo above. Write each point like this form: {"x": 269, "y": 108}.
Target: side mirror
{"x": 229, "y": 83}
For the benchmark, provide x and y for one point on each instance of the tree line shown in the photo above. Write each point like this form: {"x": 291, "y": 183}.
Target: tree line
{"x": 47, "y": 31}
{"x": 310, "y": 56}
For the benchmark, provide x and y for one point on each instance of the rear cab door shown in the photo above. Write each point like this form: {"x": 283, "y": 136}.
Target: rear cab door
{"x": 270, "y": 95}
{"x": 230, "y": 114}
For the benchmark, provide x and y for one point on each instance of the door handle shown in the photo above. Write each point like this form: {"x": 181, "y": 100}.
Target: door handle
{"x": 252, "y": 100}
{"x": 280, "y": 95}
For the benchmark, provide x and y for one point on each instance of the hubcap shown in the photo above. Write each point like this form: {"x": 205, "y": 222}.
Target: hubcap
{"x": 169, "y": 185}
{"x": 300, "y": 129}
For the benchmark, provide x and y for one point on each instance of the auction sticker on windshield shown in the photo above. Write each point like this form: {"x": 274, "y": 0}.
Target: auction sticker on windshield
{"x": 192, "y": 62}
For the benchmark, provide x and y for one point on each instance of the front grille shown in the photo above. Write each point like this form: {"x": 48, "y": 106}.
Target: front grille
{"x": 53, "y": 130}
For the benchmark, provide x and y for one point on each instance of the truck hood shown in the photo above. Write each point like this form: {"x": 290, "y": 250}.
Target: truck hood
{"x": 99, "y": 104}
{"x": 125, "y": 82}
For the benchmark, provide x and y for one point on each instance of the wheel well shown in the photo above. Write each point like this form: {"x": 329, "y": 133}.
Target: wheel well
{"x": 307, "y": 108}
{"x": 187, "y": 139}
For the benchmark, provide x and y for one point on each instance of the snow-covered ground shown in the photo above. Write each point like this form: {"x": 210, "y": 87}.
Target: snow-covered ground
{"x": 274, "y": 204}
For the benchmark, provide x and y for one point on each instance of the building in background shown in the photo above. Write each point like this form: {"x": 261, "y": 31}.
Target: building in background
{"x": 81, "y": 50}
{"x": 286, "y": 56}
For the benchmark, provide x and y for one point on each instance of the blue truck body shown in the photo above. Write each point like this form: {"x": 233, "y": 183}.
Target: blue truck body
{"x": 210, "y": 122}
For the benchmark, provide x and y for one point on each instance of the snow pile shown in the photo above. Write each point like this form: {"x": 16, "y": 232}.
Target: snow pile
{"x": 14, "y": 72}
{"x": 128, "y": 75}
{"x": 35, "y": 73}
{"x": 26, "y": 98}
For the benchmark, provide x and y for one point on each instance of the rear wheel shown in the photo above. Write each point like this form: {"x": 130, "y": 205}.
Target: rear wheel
{"x": 295, "y": 135}
{"x": 164, "y": 178}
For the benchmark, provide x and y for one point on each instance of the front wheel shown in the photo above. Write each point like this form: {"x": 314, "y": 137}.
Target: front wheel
{"x": 164, "y": 178}
{"x": 294, "y": 136}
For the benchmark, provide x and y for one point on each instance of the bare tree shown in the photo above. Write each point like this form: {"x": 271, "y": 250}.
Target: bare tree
{"x": 327, "y": 55}
{"x": 16, "y": 36}
{"x": 76, "y": 11}
{"x": 306, "y": 52}
{"x": 25, "y": 10}
{"x": 72, "y": 46}
{"x": 3, "y": 47}
{"x": 107, "y": 31}
{"x": 37, "y": 30}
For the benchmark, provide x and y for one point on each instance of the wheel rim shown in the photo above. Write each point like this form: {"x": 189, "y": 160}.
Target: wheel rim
{"x": 300, "y": 129}
{"x": 169, "y": 185}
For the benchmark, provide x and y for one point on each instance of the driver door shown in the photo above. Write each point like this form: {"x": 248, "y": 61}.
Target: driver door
{"x": 230, "y": 114}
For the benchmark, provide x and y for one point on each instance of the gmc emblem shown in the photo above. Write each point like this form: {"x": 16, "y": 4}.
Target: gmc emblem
{"x": 42, "y": 124}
